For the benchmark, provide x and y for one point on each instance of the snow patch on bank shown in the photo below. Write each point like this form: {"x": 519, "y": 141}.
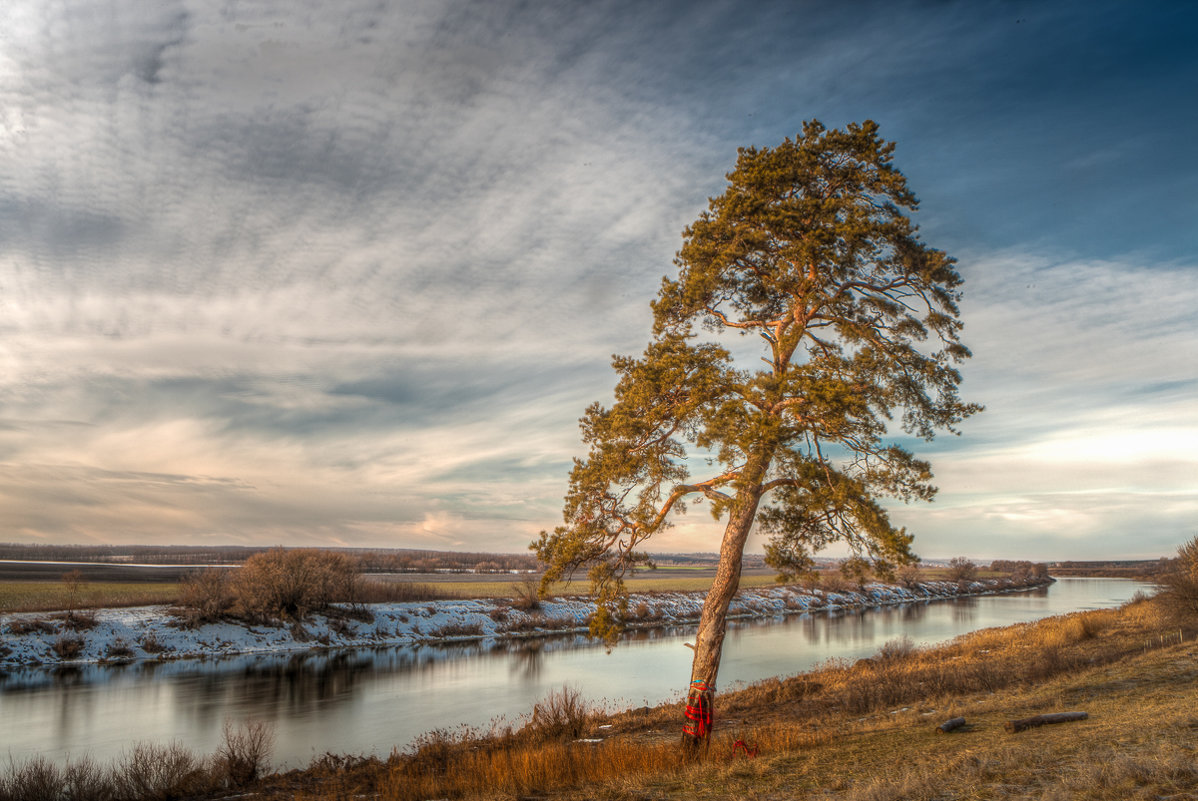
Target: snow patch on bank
{"x": 151, "y": 632}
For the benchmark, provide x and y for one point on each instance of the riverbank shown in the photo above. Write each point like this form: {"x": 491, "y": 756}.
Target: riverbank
{"x": 867, "y": 731}
{"x": 154, "y": 633}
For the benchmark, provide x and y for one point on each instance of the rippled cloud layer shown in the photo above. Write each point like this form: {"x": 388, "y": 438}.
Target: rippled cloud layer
{"x": 348, "y": 273}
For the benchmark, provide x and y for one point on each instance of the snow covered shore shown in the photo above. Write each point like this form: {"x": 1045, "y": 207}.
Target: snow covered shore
{"x": 151, "y": 632}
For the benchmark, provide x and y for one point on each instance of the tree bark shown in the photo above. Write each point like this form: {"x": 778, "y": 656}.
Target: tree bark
{"x": 709, "y": 640}
{"x": 1044, "y": 720}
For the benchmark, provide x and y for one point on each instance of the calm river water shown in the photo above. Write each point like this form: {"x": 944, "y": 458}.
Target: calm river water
{"x": 373, "y": 701}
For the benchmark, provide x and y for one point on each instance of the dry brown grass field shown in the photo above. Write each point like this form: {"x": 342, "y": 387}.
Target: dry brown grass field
{"x": 51, "y": 595}
{"x": 46, "y": 596}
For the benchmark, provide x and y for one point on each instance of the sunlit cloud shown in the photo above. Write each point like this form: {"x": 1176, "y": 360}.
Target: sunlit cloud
{"x": 349, "y": 273}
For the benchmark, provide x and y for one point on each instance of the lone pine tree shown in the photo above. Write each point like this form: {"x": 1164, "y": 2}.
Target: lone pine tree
{"x": 809, "y": 253}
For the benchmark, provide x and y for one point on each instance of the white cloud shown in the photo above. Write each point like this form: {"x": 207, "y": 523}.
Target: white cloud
{"x": 1088, "y": 371}
{"x": 343, "y": 272}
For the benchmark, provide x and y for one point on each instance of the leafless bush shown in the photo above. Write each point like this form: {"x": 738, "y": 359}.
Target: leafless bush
{"x": 84, "y": 780}
{"x": 432, "y": 751}
{"x": 644, "y": 612}
{"x": 561, "y": 715}
{"x": 74, "y": 582}
{"x": 79, "y": 620}
{"x": 458, "y": 630}
{"x": 1179, "y": 582}
{"x": 357, "y": 612}
{"x": 896, "y": 649}
{"x": 526, "y": 595}
{"x": 30, "y": 625}
{"x": 855, "y": 572}
{"x": 291, "y": 584}
{"x": 68, "y": 646}
{"x": 245, "y": 753}
{"x": 206, "y": 596}
{"x": 160, "y": 772}
{"x": 835, "y": 582}
{"x": 150, "y": 644}
{"x": 37, "y": 779}
{"x": 276, "y": 586}
{"x": 910, "y": 576}
{"x": 961, "y": 569}
{"x": 118, "y": 649}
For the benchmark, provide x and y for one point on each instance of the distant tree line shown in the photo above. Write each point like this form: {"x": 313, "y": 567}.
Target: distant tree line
{"x": 1125, "y": 568}
{"x": 413, "y": 561}
{"x": 1020, "y": 569}
{"x": 369, "y": 561}
{"x": 143, "y": 554}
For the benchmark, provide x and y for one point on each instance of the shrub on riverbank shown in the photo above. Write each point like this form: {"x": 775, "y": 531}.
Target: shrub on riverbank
{"x": 291, "y": 584}
{"x": 146, "y": 773}
{"x": 1178, "y": 582}
{"x": 276, "y": 586}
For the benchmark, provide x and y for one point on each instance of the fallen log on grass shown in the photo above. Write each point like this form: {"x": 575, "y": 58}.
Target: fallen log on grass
{"x": 1044, "y": 720}
{"x": 951, "y": 724}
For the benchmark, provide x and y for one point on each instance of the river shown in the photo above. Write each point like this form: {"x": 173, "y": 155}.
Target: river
{"x": 371, "y": 701}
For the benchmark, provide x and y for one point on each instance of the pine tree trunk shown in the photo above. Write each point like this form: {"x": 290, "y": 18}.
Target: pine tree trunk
{"x": 709, "y": 640}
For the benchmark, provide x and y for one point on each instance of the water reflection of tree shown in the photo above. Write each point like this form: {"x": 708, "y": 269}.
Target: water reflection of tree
{"x": 965, "y": 610}
{"x": 527, "y": 659}
{"x": 275, "y": 688}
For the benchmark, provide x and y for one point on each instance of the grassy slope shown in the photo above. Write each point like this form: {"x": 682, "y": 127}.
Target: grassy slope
{"x": 1139, "y": 742}
{"x": 870, "y": 730}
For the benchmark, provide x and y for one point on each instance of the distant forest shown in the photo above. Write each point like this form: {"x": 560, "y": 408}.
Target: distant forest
{"x": 372, "y": 561}
{"x": 1128, "y": 568}
{"x": 407, "y": 560}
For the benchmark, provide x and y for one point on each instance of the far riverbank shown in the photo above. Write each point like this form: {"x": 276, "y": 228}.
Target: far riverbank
{"x": 154, "y": 633}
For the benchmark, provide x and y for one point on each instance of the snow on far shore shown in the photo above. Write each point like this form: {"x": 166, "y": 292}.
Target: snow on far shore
{"x": 34, "y": 639}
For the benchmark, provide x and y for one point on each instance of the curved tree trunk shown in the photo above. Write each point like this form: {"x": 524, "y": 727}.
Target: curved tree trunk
{"x": 709, "y": 640}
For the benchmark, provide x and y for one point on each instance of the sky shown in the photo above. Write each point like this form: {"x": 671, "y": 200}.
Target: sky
{"x": 348, "y": 273}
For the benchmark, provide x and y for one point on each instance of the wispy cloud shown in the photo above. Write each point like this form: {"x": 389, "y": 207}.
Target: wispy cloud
{"x": 1088, "y": 371}
{"x": 349, "y": 273}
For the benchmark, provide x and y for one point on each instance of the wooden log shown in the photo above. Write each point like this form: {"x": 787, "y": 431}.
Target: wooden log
{"x": 1044, "y": 720}
{"x": 951, "y": 723}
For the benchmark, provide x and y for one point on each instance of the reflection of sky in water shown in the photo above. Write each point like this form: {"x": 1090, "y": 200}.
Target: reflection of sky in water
{"x": 371, "y": 701}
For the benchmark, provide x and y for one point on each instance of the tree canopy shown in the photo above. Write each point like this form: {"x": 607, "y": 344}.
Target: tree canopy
{"x": 809, "y": 261}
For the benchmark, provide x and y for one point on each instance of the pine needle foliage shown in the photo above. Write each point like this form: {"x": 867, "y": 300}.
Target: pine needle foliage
{"x": 810, "y": 254}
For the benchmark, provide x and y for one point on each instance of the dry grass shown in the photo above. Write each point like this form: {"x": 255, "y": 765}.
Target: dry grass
{"x": 145, "y": 773}
{"x": 68, "y": 647}
{"x": 1137, "y": 743}
{"x": 647, "y": 581}
{"x": 373, "y": 591}
{"x": 49, "y": 596}
{"x": 450, "y": 630}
